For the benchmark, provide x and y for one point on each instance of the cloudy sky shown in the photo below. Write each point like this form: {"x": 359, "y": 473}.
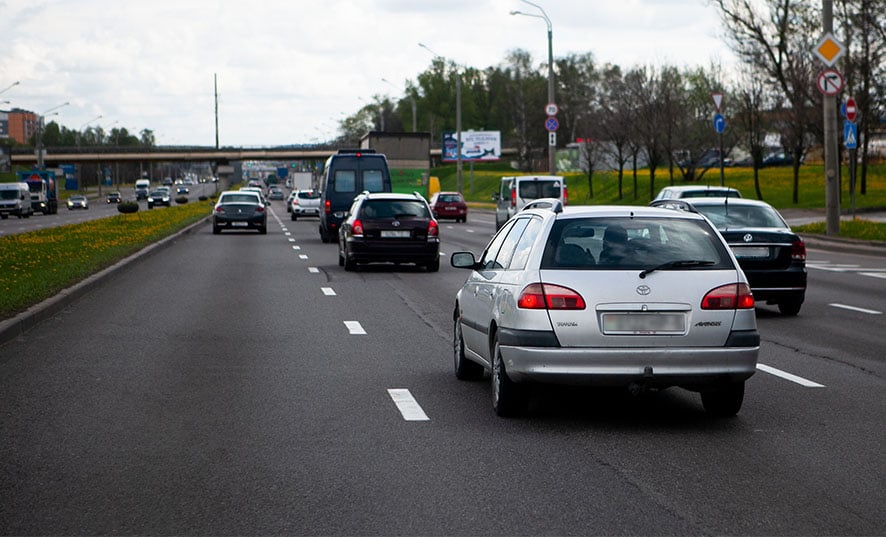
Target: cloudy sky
{"x": 289, "y": 70}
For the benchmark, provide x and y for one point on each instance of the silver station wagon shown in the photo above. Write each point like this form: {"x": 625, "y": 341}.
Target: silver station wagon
{"x": 639, "y": 297}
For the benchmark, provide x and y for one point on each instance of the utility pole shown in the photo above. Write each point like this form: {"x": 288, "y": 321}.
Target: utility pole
{"x": 215, "y": 86}
{"x": 831, "y": 141}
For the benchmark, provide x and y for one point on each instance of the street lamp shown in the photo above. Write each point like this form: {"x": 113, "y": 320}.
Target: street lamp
{"x": 412, "y": 99}
{"x": 40, "y": 131}
{"x": 457, "y": 117}
{"x": 16, "y": 83}
{"x": 98, "y": 117}
{"x": 551, "y": 146}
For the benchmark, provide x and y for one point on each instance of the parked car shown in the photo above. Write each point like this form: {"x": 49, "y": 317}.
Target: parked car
{"x": 114, "y": 197}
{"x": 772, "y": 256}
{"x": 304, "y": 203}
{"x": 639, "y": 297}
{"x": 449, "y": 205}
{"x": 696, "y": 191}
{"x": 237, "y": 209}
{"x": 161, "y": 196}
{"x": 391, "y": 228}
{"x": 78, "y": 202}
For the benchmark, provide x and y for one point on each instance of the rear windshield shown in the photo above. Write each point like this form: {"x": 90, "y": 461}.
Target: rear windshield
{"x": 530, "y": 190}
{"x": 449, "y": 198}
{"x": 710, "y": 193}
{"x": 726, "y": 216}
{"x": 632, "y": 243}
{"x": 395, "y": 209}
{"x": 308, "y": 195}
{"x": 345, "y": 181}
{"x": 239, "y": 198}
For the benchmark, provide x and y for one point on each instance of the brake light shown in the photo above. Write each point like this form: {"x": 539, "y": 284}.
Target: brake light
{"x": 295, "y": 201}
{"x": 513, "y": 197}
{"x": 357, "y": 228}
{"x": 433, "y": 229}
{"x": 219, "y": 209}
{"x": 259, "y": 209}
{"x": 327, "y": 207}
{"x": 565, "y": 195}
{"x": 541, "y": 296}
{"x": 734, "y": 296}
{"x": 798, "y": 250}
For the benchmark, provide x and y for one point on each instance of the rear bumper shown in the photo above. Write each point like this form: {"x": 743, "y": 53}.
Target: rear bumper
{"x": 393, "y": 251}
{"x": 686, "y": 367}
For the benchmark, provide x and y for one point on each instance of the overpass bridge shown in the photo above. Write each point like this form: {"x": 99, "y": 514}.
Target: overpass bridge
{"x": 66, "y": 155}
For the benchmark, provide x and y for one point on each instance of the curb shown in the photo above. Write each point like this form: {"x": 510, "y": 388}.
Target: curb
{"x": 16, "y": 326}
{"x": 853, "y": 246}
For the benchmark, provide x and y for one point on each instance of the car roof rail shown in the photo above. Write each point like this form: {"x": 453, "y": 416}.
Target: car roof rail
{"x": 553, "y": 204}
{"x": 675, "y": 204}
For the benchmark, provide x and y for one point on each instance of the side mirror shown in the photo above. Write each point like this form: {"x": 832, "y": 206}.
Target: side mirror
{"x": 463, "y": 260}
{"x": 496, "y": 196}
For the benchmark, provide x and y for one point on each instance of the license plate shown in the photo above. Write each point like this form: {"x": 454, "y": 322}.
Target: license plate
{"x": 750, "y": 251}
{"x": 236, "y": 224}
{"x": 450, "y": 208}
{"x": 395, "y": 234}
{"x": 644, "y": 323}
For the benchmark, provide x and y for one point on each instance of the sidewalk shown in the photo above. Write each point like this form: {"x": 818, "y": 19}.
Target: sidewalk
{"x": 798, "y": 217}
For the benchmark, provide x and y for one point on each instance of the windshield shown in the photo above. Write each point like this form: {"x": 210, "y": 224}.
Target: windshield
{"x": 730, "y": 216}
{"x": 530, "y": 190}
{"x": 395, "y": 209}
{"x": 9, "y": 194}
{"x": 239, "y": 198}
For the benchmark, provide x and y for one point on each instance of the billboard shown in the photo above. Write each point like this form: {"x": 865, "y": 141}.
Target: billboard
{"x": 475, "y": 145}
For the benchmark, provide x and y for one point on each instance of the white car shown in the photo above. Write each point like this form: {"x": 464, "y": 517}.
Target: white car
{"x": 639, "y": 297}
{"x": 304, "y": 203}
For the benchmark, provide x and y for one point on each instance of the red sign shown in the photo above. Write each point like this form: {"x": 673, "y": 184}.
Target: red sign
{"x": 34, "y": 177}
{"x": 851, "y": 109}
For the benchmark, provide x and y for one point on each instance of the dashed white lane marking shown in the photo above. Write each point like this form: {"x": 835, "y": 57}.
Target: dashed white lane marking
{"x": 787, "y": 376}
{"x": 313, "y": 270}
{"x": 855, "y": 308}
{"x": 328, "y": 291}
{"x": 287, "y": 234}
{"x": 291, "y": 239}
{"x": 296, "y": 247}
{"x": 302, "y": 256}
{"x": 407, "y": 405}
{"x": 354, "y": 328}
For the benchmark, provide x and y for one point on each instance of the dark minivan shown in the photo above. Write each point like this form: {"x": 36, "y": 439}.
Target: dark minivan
{"x": 346, "y": 174}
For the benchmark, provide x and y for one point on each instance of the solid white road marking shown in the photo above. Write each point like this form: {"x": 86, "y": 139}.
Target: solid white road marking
{"x": 354, "y": 328}
{"x": 854, "y": 308}
{"x": 787, "y": 376}
{"x": 408, "y": 406}
{"x": 327, "y": 291}
{"x": 874, "y": 274}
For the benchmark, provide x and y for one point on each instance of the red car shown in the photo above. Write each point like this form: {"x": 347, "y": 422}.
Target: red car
{"x": 449, "y": 205}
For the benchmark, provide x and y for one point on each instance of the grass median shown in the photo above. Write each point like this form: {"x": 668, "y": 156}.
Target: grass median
{"x": 38, "y": 264}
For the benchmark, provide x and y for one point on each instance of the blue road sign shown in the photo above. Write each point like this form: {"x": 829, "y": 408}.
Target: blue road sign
{"x": 850, "y": 135}
{"x": 551, "y": 124}
{"x": 719, "y": 123}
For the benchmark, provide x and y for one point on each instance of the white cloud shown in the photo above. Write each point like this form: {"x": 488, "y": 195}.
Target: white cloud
{"x": 288, "y": 69}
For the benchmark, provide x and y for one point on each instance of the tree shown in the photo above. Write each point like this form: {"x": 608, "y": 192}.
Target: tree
{"x": 752, "y": 119}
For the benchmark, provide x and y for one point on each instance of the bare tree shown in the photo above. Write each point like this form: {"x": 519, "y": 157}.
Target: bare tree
{"x": 752, "y": 119}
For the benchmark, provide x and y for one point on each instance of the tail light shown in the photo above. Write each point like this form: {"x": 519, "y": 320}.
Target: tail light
{"x": 798, "y": 250}
{"x": 541, "y": 296}
{"x": 433, "y": 229}
{"x": 327, "y": 207}
{"x": 513, "y": 197}
{"x": 565, "y": 195}
{"x": 735, "y": 296}
{"x": 219, "y": 210}
{"x": 295, "y": 201}
{"x": 259, "y": 209}
{"x": 357, "y": 228}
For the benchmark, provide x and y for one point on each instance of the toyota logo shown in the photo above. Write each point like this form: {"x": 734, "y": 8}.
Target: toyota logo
{"x": 643, "y": 290}
{"x": 748, "y": 237}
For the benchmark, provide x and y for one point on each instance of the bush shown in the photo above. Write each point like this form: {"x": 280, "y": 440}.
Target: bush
{"x": 128, "y": 206}
{"x": 181, "y": 200}
{"x": 203, "y": 198}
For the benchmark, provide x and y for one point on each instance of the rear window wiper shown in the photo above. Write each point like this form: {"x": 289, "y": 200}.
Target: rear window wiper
{"x": 678, "y": 264}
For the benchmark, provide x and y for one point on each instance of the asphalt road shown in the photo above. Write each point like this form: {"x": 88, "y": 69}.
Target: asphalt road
{"x": 246, "y": 384}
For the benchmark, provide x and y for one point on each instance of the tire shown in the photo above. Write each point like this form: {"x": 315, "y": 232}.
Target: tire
{"x": 465, "y": 369}
{"x": 293, "y": 217}
{"x": 434, "y": 265}
{"x": 509, "y": 399}
{"x": 349, "y": 263}
{"x": 341, "y": 259}
{"x": 723, "y": 401}
{"x": 325, "y": 237}
{"x": 216, "y": 229}
{"x": 790, "y": 308}
{"x": 263, "y": 230}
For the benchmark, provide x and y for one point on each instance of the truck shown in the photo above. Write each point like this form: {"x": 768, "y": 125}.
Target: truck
{"x": 142, "y": 189}
{"x": 15, "y": 200}
{"x": 44, "y": 190}
{"x": 301, "y": 180}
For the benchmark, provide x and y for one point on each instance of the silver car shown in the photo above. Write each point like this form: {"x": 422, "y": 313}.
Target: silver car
{"x": 639, "y": 297}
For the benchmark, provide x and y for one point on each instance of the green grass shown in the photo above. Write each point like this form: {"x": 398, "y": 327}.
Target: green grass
{"x": 39, "y": 264}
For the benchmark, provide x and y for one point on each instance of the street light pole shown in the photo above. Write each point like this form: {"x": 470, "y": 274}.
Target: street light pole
{"x": 40, "y": 132}
{"x": 14, "y": 84}
{"x": 412, "y": 99}
{"x": 552, "y": 164}
{"x": 458, "y": 166}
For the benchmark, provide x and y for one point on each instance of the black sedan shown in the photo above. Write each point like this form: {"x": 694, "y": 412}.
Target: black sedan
{"x": 771, "y": 255}
{"x": 239, "y": 209}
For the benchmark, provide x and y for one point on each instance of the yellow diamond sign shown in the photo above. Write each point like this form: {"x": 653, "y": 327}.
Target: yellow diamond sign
{"x": 829, "y": 49}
